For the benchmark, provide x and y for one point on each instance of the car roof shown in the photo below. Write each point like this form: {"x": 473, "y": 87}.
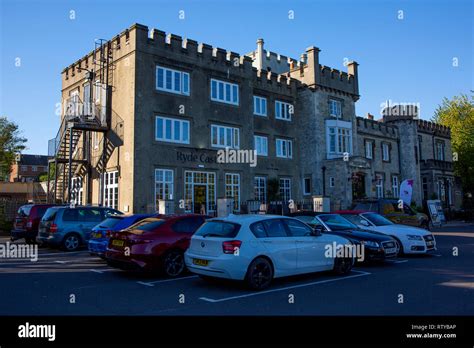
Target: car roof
{"x": 306, "y": 212}
{"x": 342, "y": 212}
{"x": 247, "y": 218}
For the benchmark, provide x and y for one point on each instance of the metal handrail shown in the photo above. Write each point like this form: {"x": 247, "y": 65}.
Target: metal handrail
{"x": 76, "y": 109}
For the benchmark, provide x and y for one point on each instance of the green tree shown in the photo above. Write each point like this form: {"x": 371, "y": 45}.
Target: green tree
{"x": 458, "y": 114}
{"x": 44, "y": 176}
{"x": 11, "y": 143}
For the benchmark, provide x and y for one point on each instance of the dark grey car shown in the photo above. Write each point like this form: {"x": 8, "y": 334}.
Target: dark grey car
{"x": 69, "y": 228}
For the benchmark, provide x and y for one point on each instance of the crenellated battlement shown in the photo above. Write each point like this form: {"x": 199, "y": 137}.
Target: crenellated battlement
{"x": 337, "y": 79}
{"x": 276, "y": 83}
{"x": 159, "y": 42}
{"x": 366, "y": 125}
{"x": 433, "y": 128}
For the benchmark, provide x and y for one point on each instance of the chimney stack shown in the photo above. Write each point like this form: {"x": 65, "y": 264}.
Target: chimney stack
{"x": 370, "y": 116}
{"x": 259, "y": 54}
{"x": 312, "y": 62}
{"x": 353, "y": 70}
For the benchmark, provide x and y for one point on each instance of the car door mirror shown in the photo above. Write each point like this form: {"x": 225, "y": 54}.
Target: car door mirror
{"x": 364, "y": 223}
{"x": 317, "y": 230}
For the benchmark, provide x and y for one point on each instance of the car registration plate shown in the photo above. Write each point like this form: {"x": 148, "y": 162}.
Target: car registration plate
{"x": 200, "y": 262}
{"x": 118, "y": 243}
{"x": 390, "y": 251}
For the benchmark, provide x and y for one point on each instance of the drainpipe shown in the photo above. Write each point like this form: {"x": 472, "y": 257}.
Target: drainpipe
{"x": 324, "y": 180}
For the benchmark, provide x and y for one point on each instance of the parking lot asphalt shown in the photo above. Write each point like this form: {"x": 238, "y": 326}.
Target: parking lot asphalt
{"x": 61, "y": 283}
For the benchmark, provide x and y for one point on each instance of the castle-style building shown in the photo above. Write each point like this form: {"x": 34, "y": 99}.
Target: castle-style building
{"x": 145, "y": 115}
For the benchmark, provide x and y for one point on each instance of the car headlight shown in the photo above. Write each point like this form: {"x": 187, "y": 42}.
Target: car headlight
{"x": 370, "y": 243}
{"x": 414, "y": 237}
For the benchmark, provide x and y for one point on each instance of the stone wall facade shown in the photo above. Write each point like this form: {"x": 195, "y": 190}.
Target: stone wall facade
{"x": 328, "y": 154}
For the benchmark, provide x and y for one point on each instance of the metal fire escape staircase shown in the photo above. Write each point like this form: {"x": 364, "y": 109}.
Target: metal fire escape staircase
{"x": 70, "y": 150}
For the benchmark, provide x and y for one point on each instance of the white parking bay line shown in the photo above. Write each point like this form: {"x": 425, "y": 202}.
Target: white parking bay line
{"x": 362, "y": 273}
{"x": 64, "y": 253}
{"x": 61, "y": 262}
{"x": 166, "y": 280}
{"x": 397, "y": 261}
{"x": 96, "y": 271}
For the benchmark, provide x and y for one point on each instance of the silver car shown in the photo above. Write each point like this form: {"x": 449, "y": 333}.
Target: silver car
{"x": 69, "y": 228}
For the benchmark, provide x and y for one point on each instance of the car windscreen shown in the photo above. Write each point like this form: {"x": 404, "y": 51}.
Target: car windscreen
{"x": 337, "y": 222}
{"x": 50, "y": 214}
{"x": 110, "y": 222}
{"x": 377, "y": 220}
{"x": 354, "y": 218}
{"x": 148, "y": 225}
{"x": 220, "y": 229}
{"x": 24, "y": 211}
{"x": 306, "y": 218}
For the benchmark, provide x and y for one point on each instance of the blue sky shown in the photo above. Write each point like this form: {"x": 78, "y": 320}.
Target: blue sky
{"x": 403, "y": 60}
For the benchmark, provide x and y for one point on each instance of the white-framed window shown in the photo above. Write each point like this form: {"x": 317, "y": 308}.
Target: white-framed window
{"x": 111, "y": 189}
{"x": 285, "y": 189}
{"x": 338, "y": 138}
{"x": 440, "y": 150}
{"x": 97, "y": 91}
{"x": 335, "y": 108}
{"x": 307, "y": 186}
{"x": 34, "y": 168}
{"x": 172, "y": 130}
{"x": 95, "y": 140}
{"x": 222, "y": 136}
{"x": 24, "y": 168}
{"x": 385, "y": 152}
{"x": 224, "y": 92}
{"x": 260, "y": 188}
{"x": 332, "y": 181}
{"x": 284, "y": 148}
{"x": 259, "y": 106}
{"x": 283, "y": 110}
{"x": 164, "y": 185}
{"x": 261, "y": 145}
{"x": 369, "y": 149}
{"x": 379, "y": 185}
{"x": 77, "y": 190}
{"x": 395, "y": 187}
{"x": 232, "y": 188}
{"x": 170, "y": 80}
{"x": 86, "y": 99}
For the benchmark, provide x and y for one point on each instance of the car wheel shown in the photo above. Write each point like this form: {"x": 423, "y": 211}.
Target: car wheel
{"x": 29, "y": 241}
{"x": 174, "y": 263}
{"x": 259, "y": 274}
{"x": 400, "y": 247}
{"x": 342, "y": 265}
{"x": 71, "y": 242}
{"x": 426, "y": 225}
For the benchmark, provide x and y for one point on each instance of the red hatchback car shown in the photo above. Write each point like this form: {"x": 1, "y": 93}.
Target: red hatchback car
{"x": 27, "y": 221}
{"x": 154, "y": 244}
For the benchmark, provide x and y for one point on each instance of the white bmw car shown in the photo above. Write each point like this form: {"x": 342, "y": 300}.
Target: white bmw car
{"x": 412, "y": 240}
{"x": 258, "y": 248}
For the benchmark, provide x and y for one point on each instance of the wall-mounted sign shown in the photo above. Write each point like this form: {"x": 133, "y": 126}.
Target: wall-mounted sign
{"x": 359, "y": 162}
{"x": 195, "y": 156}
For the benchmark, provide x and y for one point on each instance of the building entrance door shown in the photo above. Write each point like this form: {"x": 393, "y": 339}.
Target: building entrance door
{"x": 200, "y": 199}
{"x": 200, "y": 190}
{"x": 358, "y": 186}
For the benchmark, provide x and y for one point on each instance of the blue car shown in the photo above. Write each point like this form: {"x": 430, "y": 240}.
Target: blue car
{"x": 99, "y": 238}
